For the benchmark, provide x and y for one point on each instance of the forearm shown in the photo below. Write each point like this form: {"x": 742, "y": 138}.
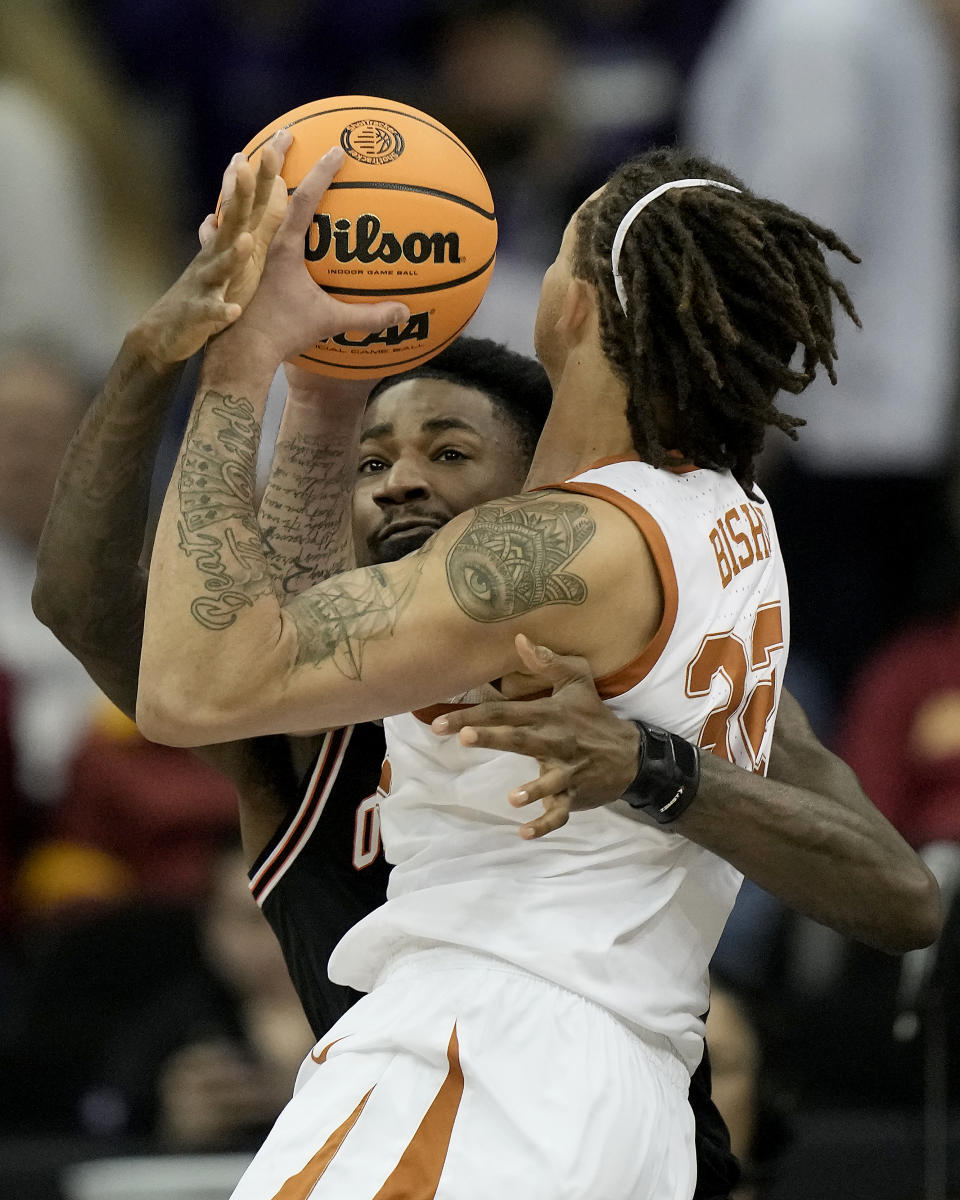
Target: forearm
{"x": 305, "y": 513}
{"x": 811, "y": 837}
{"x": 209, "y": 571}
{"x": 90, "y": 586}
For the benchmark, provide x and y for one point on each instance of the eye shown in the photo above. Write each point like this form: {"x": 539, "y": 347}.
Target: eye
{"x": 372, "y": 466}
{"x": 449, "y": 454}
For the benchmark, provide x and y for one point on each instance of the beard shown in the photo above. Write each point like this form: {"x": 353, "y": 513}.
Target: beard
{"x": 396, "y": 547}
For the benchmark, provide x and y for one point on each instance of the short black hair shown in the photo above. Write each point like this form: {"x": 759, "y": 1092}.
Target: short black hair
{"x": 723, "y": 289}
{"x": 515, "y": 383}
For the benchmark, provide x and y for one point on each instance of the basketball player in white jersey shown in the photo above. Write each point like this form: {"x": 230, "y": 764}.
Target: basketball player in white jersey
{"x": 312, "y": 884}
{"x": 494, "y": 1053}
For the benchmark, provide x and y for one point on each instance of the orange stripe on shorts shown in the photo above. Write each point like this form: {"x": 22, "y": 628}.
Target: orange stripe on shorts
{"x": 299, "y": 1186}
{"x": 417, "y": 1175}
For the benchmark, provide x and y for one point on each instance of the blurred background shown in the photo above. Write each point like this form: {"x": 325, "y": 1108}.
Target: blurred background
{"x": 140, "y": 993}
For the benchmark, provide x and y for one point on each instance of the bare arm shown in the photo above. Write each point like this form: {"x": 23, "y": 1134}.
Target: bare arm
{"x": 90, "y": 587}
{"x": 352, "y": 648}
{"x": 306, "y": 510}
{"x": 807, "y": 833}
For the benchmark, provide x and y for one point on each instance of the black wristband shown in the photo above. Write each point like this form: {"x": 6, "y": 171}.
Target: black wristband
{"x": 666, "y": 782}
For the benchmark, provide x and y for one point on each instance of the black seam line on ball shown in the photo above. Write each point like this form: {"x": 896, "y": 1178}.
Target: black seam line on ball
{"x": 413, "y": 291}
{"x": 410, "y": 187}
{"x": 414, "y": 187}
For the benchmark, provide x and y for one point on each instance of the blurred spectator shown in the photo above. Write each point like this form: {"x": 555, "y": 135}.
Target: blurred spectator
{"x": 626, "y": 84}
{"x": 498, "y": 79}
{"x": 82, "y": 248}
{"x": 172, "y": 1026}
{"x": 214, "y": 72}
{"x": 845, "y": 110}
{"x": 551, "y": 98}
{"x": 498, "y": 76}
{"x": 137, "y": 820}
{"x": 41, "y": 400}
{"x": 212, "y": 1058}
{"x": 901, "y": 731}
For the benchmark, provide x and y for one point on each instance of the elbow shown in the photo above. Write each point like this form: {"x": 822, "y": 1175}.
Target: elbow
{"x": 166, "y": 720}
{"x": 930, "y": 916}
{"x": 173, "y": 710}
{"x": 918, "y": 911}
{"x": 184, "y": 710}
{"x": 47, "y": 607}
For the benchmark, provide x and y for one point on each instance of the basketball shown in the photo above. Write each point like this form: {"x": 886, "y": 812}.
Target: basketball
{"x": 409, "y": 217}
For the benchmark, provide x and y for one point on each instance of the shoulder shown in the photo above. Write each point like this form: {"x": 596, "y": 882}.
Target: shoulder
{"x": 575, "y": 569}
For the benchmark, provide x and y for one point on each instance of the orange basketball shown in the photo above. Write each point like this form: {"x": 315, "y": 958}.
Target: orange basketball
{"x": 409, "y": 217}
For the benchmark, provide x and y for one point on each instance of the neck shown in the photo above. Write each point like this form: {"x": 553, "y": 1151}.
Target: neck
{"x": 587, "y": 421}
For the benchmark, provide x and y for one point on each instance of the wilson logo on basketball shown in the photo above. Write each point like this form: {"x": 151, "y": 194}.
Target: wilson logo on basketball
{"x": 368, "y": 243}
{"x": 415, "y": 330}
{"x": 372, "y": 141}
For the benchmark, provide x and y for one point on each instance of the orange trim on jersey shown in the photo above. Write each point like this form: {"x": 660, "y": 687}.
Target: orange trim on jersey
{"x": 301, "y": 1185}
{"x": 298, "y": 831}
{"x": 429, "y": 714}
{"x": 631, "y": 673}
{"x": 417, "y": 1175}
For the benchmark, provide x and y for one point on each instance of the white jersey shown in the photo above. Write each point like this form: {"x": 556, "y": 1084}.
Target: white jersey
{"x": 624, "y": 912}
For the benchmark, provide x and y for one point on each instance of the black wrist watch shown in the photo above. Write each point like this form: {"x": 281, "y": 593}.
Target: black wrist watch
{"x": 668, "y": 775}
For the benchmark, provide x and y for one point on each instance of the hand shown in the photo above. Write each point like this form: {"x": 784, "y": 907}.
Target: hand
{"x": 289, "y": 312}
{"x": 313, "y": 388}
{"x": 587, "y": 755}
{"x": 219, "y": 282}
{"x": 209, "y": 1093}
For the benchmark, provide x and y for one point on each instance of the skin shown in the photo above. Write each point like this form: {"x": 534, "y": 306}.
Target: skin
{"x": 352, "y": 648}
{"x": 798, "y": 833}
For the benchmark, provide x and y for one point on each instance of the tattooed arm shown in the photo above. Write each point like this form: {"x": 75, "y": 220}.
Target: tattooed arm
{"x": 90, "y": 587}
{"x": 223, "y": 658}
{"x": 305, "y": 513}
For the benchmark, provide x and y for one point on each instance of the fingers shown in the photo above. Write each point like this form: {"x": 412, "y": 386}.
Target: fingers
{"x": 559, "y": 669}
{"x": 268, "y": 174}
{"x": 552, "y": 782}
{"x": 481, "y": 718}
{"x": 208, "y": 230}
{"x": 237, "y": 199}
{"x": 224, "y": 264}
{"x": 306, "y": 199}
{"x": 368, "y": 318}
{"x": 556, "y": 814}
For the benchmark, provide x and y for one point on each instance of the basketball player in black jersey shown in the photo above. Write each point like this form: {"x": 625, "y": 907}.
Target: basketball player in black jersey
{"x": 308, "y": 806}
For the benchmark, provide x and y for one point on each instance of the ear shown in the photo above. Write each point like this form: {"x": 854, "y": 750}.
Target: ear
{"x": 578, "y": 312}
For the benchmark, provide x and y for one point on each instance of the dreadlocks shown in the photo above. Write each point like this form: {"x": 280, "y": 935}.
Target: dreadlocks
{"x": 722, "y": 288}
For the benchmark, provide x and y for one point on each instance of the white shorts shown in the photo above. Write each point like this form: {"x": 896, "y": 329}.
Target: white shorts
{"x": 463, "y": 1078}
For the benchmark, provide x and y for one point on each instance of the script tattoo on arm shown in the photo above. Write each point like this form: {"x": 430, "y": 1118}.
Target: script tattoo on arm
{"x": 217, "y": 527}
{"x": 510, "y": 559}
{"x": 304, "y": 521}
{"x": 335, "y": 620}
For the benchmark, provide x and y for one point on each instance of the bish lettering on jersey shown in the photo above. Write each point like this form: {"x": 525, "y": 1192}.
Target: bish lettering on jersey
{"x": 739, "y": 538}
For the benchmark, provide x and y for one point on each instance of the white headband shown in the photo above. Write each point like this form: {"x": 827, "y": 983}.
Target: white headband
{"x": 631, "y": 214}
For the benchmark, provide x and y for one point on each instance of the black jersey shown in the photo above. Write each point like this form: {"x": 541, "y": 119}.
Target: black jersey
{"x": 323, "y": 870}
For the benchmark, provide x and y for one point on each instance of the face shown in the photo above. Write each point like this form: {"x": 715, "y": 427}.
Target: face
{"x": 430, "y": 449}
{"x": 547, "y": 341}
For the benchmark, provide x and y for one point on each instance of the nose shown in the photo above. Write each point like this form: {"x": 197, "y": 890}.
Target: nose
{"x": 404, "y": 482}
